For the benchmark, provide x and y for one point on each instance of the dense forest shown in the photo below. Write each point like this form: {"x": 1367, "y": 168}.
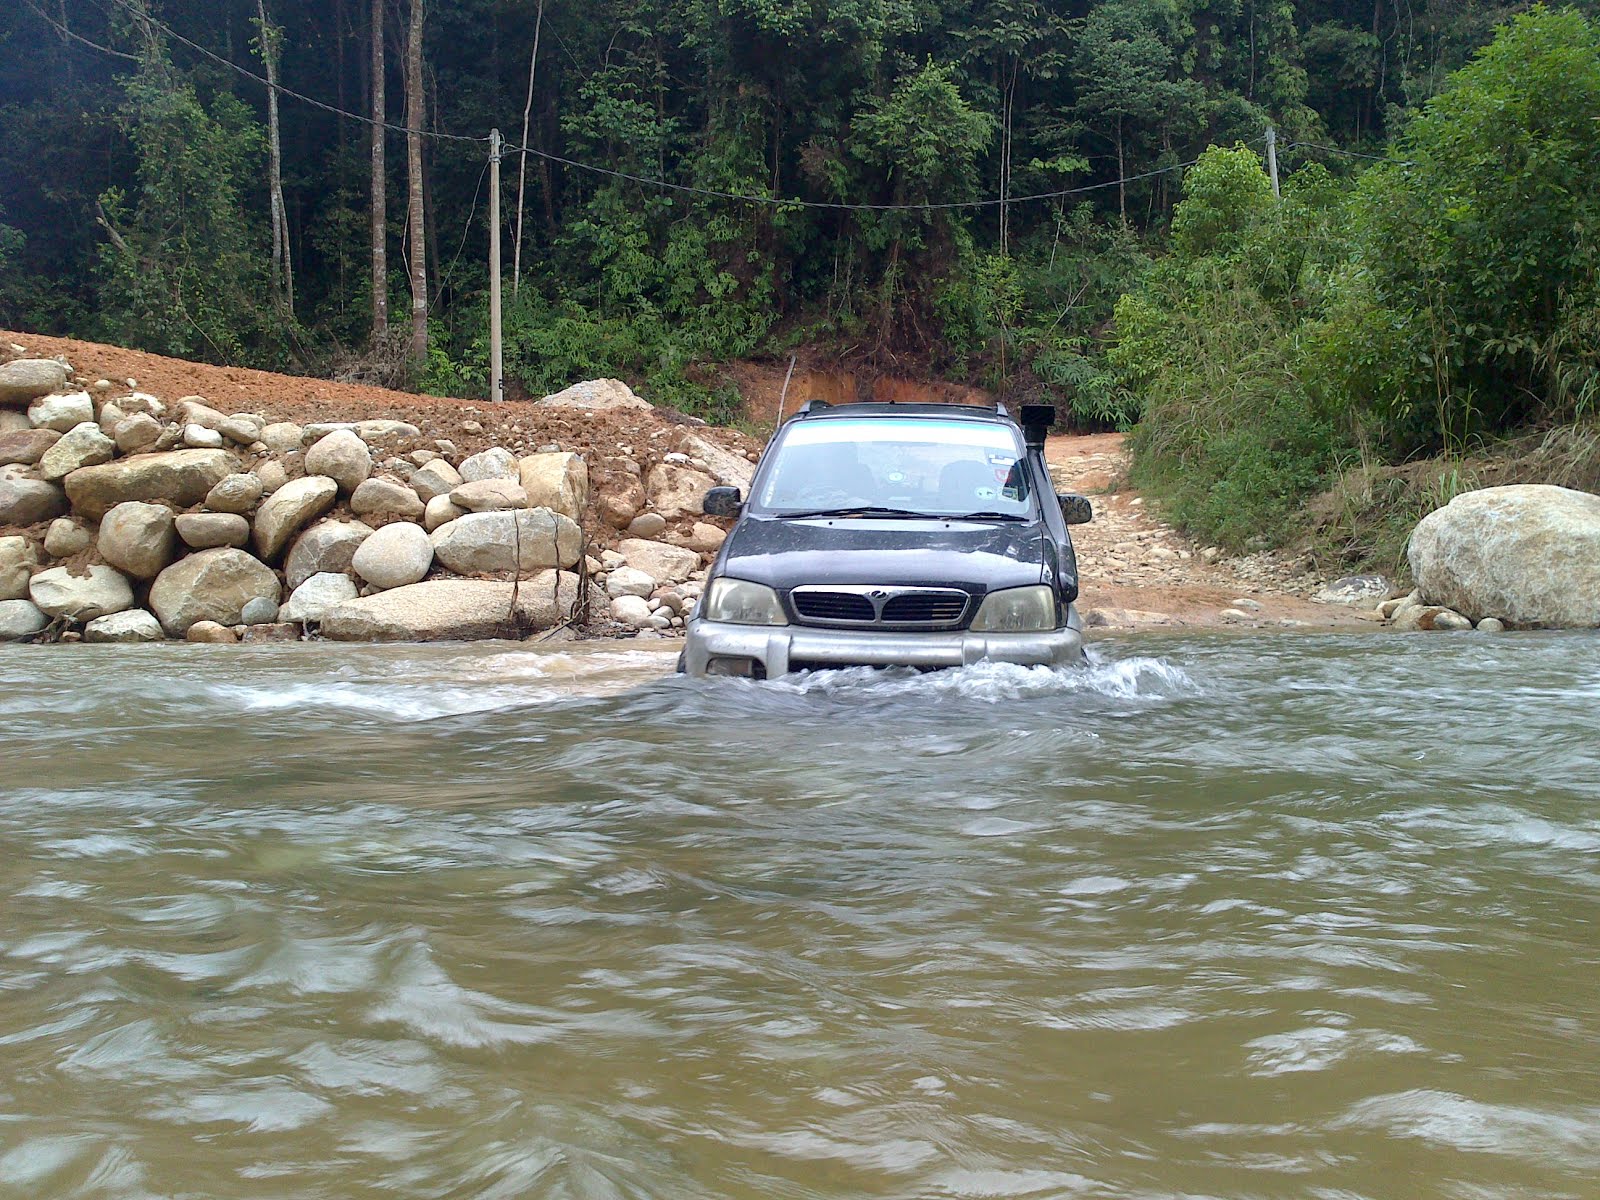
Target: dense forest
{"x": 1018, "y": 193}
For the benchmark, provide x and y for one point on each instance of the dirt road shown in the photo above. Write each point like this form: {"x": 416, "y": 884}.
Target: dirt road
{"x": 1138, "y": 572}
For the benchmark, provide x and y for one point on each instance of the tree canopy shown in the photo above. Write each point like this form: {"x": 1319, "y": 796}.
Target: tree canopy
{"x": 137, "y": 193}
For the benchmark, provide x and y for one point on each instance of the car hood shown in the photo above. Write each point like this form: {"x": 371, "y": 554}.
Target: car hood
{"x": 977, "y": 556}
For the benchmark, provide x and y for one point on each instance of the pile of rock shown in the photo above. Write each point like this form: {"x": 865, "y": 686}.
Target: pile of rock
{"x": 120, "y": 521}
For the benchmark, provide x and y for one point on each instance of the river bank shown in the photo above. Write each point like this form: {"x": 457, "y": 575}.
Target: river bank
{"x": 359, "y": 513}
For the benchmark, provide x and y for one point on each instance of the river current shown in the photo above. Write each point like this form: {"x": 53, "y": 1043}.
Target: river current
{"x": 1214, "y": 917}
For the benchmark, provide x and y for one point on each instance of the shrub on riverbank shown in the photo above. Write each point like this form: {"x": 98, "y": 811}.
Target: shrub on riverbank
{"x": 1445, "y": 301}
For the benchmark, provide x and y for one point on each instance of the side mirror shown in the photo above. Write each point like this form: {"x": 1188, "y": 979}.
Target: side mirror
{"x": 1075, "y": 509}
{"x": 723, "y": 502}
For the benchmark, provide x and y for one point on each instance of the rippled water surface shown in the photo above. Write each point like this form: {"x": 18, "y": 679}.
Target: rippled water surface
{"x": 1270, "y": 917}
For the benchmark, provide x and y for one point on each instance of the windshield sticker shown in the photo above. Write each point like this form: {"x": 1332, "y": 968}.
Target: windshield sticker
{"x": 984, "y": 493}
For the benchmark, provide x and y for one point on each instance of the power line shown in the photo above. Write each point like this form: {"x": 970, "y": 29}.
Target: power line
{"x": 77, "y": 37}
{"x": 788, "y": 202}
{"x": 1344, "y": 153}
{"x": 642, "y": 180}
{"x": 277, "y": 87}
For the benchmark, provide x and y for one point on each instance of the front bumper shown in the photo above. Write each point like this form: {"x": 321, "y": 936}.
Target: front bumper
{"x": 784, "y": 648}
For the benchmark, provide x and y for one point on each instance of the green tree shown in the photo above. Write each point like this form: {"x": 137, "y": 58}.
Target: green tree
{"x": 183, "y": 270}
{"x": 1480, "y": 238}
{"x": 1124, "y": 70}
{"x": 924, "y": 139}
{"x": 1017, "y": 38}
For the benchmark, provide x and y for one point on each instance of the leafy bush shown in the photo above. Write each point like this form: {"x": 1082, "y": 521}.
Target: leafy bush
{"x": 182, "y": 272}
{"x": 1474, "y": 245}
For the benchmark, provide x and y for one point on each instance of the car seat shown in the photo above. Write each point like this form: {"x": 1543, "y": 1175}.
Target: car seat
{"x": 813, "y": 474}
{"x": 960, "y": 482}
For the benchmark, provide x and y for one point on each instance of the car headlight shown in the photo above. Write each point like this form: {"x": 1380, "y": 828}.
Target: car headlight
{"x": 1017, "y": 610}
{"x": 740, "y": 602}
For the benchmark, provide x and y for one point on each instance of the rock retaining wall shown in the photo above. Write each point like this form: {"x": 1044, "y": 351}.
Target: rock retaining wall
{"x": 126, "y": 517}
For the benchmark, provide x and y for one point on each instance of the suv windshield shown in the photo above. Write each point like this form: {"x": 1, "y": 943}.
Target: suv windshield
{"x": 917, "y": 465}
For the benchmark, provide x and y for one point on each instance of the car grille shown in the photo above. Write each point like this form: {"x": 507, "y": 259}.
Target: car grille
{"x": 925, "y": 608}
{"x": 834, "y": 606}
{"x": 867, "y": 607}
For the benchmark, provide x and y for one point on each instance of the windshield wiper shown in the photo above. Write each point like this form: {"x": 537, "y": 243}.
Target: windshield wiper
{"x": 989, "y": 516}
{"x": 862, "y": 510}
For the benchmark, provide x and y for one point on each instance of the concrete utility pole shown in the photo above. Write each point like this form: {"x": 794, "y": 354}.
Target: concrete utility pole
{"x": 497, "y": 383}
{"x": 1272, "y": 159}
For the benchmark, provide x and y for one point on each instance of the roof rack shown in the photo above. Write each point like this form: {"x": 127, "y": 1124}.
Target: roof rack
{"x": 891, "y": 407}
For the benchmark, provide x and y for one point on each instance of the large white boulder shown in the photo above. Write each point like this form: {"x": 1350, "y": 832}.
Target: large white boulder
{"x": 435, "y": 478}
{"x": 669, "y": 564}
{"x": 677, "y": 491}
{"x": 327, "y": 547}
{"x": 529, "y": 539}
{"x": 1528, "y": 554}
{"x": 387, "y": 497}
{"x": 493, "y": 463}
{"x": 61, "y": 413}
{"x": 81, "y": 446}
{"x": 343, "y": 457}
{"x": 394, "y": 556}
{"x": 631, "y": 610}
{"x": 629, "y": 581}
{"x": 20, "y": 619}
{"x": 134, "y": 625}
{"x": 289, "y": 509}
{"x": 26, "y": 379}
{"x": 138, "y": 538}
{"x": 313, "y": 598}
{"x": 180, "y": 478}
{"x": 594, "y": 394}
{"x": 18, "y": 557}
{"x": 728, "y": 467}
{"x": 213, "y": 585}
{"x": 455, "y": 610}
{"x": 557, "y": 481}
{"x": 99, "y": 591}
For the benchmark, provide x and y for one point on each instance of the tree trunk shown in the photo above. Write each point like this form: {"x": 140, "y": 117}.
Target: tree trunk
{"x": 522, "y": 155}
{"x": 380, "y": 198}
{"x": 282, "y": 265}
{"x": 1007, "y": 107}
{"x": 416, "y": 225}
{"x": 1122, "y": 176}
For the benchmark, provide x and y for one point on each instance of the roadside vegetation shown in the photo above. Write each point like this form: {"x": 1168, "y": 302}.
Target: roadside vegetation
{"x": 1391, "y": 340}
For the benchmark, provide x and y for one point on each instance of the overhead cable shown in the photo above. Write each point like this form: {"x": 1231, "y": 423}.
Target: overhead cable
{"x": 839, "y": 205}
{"x": 77, "y": 37}
{"x": 136, "y": 12}
{"x": 642, "y": 180}
{"x": 1344, "y": 153}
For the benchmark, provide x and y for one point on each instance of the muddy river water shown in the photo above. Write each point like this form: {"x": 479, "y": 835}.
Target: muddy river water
{"x": 1222, "y": 917}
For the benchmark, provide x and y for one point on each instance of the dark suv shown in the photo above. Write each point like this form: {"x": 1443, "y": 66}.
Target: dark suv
{"x": 921, "y": 535}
